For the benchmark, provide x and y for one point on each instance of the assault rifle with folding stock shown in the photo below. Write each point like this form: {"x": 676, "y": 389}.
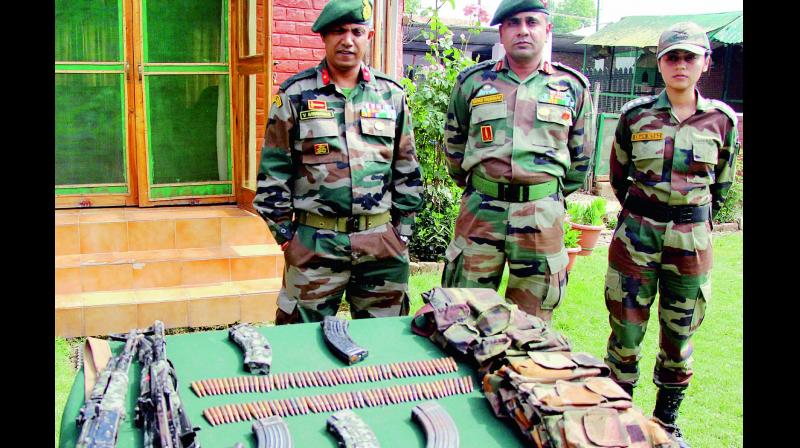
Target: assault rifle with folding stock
{"x": 159, "y": 410}
{"x": 104, "y": 408}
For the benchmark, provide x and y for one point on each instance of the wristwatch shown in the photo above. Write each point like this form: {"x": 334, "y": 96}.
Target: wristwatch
{"x": 404, "y": 238}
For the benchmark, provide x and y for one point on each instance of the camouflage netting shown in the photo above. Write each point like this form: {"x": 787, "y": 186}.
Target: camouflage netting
{"x": 556, "y": 397}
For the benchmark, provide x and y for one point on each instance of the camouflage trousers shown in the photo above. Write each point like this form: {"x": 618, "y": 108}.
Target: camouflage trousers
{"x": 673, "y": 260}
{"x": 529, "y": 235}
{"x": 370, "y": 266}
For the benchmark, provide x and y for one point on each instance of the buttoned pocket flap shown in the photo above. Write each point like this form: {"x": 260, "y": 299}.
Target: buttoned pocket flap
{"x": 318, "y": 127}
{"x": 604, "y": 428}
{"x": 554, "y": 114}
{"x": 381, "y": 127}
{"x": 552, "y": 360}
{"x": 705, "y": 151}
{"x": 486, "y": 112}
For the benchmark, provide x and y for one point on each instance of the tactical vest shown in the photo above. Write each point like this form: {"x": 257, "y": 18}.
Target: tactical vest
{"x": 557, "y": 398}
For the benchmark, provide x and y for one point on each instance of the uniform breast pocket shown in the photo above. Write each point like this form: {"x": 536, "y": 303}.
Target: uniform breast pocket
{"x": 378, "y": 135}
{"x": 553, "y": 125}
{"x": 319, "y": 141}
{"x": 488, "y": 124}
{"x": 648, "y": 158}
{"x": 705, "y": 155}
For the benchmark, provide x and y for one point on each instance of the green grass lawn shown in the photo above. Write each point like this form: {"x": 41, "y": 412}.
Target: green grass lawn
{"x": 711, "y": 415}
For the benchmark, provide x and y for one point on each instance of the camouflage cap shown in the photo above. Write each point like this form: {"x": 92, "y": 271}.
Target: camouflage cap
{"x": 510, "y": 7}
{"x": 683, "y": 36}
{"x": 343, "y": 11}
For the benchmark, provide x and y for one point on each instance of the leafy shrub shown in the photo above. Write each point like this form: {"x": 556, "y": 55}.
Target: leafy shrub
{"x": 428, "y": 94}
{"x": 571, "y": 236}
{"x": 590, "y": 214}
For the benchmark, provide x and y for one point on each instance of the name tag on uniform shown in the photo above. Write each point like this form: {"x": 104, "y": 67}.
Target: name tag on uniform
{"x": 645, "y": 136}
{"x": 486, "y": 134}
{"x": 309, "y": 114}
{"x": 496, "y": 98}
{"x": 321, "y": 149}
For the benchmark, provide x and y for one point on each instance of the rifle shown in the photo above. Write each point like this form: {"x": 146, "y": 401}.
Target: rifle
{"x": 104, "y": 409}
{"x": 159, "y": 410}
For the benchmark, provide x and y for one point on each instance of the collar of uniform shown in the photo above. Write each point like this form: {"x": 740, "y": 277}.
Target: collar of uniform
{"x": 324, "y": 77}
{"x": 663, "y": 101}
{"x": 544, "y": 66}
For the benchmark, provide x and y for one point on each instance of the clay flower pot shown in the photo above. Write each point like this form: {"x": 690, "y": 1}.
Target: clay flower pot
{"x": 572, "y": 252}
{"x": 588, "y": 238}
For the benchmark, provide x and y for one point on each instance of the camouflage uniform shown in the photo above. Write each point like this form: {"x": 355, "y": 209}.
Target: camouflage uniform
{"x": 671, "y": 163}
{"x": 528, "y": 132}
{"x": 325, "y": 154}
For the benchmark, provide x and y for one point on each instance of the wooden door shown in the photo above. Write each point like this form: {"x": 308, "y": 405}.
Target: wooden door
{"x": 94, "y": 104}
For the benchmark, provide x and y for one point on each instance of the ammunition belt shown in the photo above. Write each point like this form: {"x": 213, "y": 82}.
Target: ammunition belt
{"x": 236, "y": 412}
{"x": 514, "y": 192}
{"x": 335, "y": 377}
{"x": 348, "y": 224}
{"x": 679, "y": 214}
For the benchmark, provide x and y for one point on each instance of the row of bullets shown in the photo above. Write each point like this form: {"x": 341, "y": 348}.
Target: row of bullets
{"x": 236, "y": 412}
{"x": 335, "y": 377}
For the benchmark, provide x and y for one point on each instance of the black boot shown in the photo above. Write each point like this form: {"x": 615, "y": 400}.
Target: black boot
{"x": 628, "y": 388}
{"x": 668, "y": 401}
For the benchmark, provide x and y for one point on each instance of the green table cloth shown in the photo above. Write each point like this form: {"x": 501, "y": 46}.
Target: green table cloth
{"x": 301, "y": 347}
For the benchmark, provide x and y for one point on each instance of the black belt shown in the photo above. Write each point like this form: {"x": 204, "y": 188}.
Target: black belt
{"x": 679, "y": 214}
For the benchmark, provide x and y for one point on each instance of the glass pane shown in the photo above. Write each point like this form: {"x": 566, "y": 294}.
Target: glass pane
{"x": 252, "y": 28}
{"x": 90, "y": 146}
{"x": 88, "y": 30}
{"x": 253, "y": 129}
{"x": 188, "y": 128}
{"x": 186, "y": 31}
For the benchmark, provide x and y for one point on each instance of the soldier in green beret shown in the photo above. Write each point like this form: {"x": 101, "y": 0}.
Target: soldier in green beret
{"x": 339, "y": 182}
{"x": 672, "y": 165}
{"x": 518, "y": 139}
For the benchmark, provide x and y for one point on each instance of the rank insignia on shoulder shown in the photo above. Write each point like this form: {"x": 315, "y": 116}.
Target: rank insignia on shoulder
{"x": 309, "y": 114}
{"x": 375, "y": 110}
{"x": 645, "y": 136}
{"x": 317, "y": 105}
{"x": 321, "y": 149}
{"x": 486, "y": 134}
{"x": 277, "y": 101}
{"x": 486, "y": 99}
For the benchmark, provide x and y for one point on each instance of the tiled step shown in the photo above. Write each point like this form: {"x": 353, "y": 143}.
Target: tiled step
{"x": 104, "y": 312}
{"x": 88, "y": 231}
{"x": 166, "y": 267}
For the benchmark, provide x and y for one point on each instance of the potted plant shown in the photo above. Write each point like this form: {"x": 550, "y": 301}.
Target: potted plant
{"x": 588, "y": 218}
{"x": 571, "y": 243}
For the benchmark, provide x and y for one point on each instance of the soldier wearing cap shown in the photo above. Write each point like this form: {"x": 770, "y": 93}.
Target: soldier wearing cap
{"x": 518, "y": 139}
{"x": 672, "y": 165}
{"x": 339, "y": 182}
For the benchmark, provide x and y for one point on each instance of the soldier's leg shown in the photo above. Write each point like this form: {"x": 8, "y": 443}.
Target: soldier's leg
{"x": 378, "y": 286}
{"x": 631, "y": 284}
{"x": 685, "y": 289}
{"x": 475, "y": 256}
{"x": 537, "y": 259}
{"x": 317, "y": 272}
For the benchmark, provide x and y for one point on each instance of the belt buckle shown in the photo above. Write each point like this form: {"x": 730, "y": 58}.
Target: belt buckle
{"x": 352, "y": 224}
{"x": 684, "y": 215}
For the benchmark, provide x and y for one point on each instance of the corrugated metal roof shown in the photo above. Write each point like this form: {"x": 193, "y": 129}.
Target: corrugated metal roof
{"x": 643, "y": 31}
{"x": 731, "y": 33}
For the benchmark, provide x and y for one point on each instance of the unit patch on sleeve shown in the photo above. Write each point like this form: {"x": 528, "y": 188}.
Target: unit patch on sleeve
{"x": 321, "y": 149}
{"x": 644, "y": 136}
{"x": 277, "y": 101}
{"x": 486, "y": 134}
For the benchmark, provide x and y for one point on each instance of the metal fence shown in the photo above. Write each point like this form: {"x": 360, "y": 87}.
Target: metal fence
{"x": 618, "y": 86}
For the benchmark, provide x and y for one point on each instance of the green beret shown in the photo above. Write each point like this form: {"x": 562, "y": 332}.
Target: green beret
{"x": 343, "y": 11}
{"x": 510, "y": 7}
